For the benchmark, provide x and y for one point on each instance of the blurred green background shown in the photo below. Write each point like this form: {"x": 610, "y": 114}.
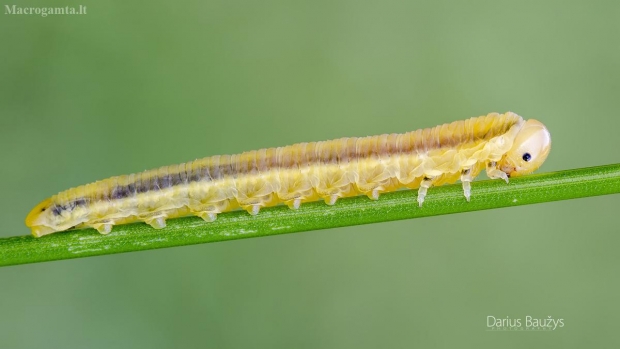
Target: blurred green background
{"x": 129, "y": 87}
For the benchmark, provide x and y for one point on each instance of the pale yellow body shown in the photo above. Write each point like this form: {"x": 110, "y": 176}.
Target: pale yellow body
{"x": 292, "y": 175}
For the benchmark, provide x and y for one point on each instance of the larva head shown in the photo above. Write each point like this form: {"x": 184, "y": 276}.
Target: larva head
{"x": 40, "y": 219}
{"x": 529, "y": 150}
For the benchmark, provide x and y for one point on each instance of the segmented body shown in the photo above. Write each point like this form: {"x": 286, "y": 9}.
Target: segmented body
{"x": 292, "y": 175}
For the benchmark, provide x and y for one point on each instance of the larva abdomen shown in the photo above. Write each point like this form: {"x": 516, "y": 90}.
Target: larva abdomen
{"x": 302, "y": 172}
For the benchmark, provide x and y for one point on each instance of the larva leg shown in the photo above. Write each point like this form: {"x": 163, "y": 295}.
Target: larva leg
{"x": 331, "y": 200}
{"x": 254, "y": 204}
{"x": 426, "y": 183}
{"x": 494, "y": 173}
{"x": 103, "y": 228}
{"x": 374, "y": 194}
{"x": 208, "y": 211}
{"x": 294, "y": 204}
{"x": 207, "y": 216}
{"x": 466, "y": 179}
{"x": 156, "y": 222}
{"x": 252, "y": 209}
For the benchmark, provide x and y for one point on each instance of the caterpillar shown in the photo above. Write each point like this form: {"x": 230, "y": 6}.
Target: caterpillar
{"x": 505, "y": 145}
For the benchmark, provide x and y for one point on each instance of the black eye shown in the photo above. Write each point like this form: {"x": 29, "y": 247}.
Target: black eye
{"x": 527, "y": 157}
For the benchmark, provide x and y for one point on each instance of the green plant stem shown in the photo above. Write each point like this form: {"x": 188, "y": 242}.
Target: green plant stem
{"x": 402, "y": 204}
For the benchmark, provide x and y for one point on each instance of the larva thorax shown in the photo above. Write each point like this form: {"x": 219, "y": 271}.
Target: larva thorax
{"x": 298, "y": 173}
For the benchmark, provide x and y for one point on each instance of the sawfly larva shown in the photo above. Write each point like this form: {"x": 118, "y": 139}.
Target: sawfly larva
{"x": 503, "y": 144}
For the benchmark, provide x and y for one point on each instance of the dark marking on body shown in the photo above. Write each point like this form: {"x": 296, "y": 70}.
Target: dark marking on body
{"x": 58, "y": 209}
{"x": 165, "y": 182}
{"x": 142, "y": 186}
{"x": 120, "y": 192}
{"x": 194, "y": 175}
{"x": 175, "y": 179}
{"x": 155, "y": 183}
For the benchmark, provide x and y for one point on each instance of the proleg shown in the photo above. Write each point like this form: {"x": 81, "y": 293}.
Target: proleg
{"x": 505, "y": 145}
